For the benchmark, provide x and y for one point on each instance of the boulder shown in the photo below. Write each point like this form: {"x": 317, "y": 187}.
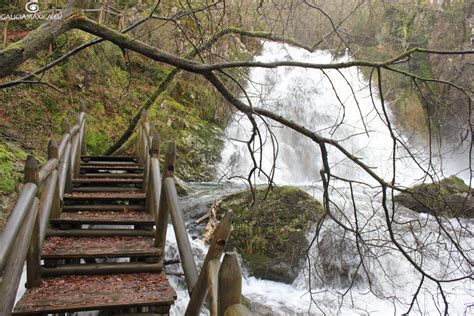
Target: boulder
{"x": 270, "y": 232}
{"x": 450, "y": 197}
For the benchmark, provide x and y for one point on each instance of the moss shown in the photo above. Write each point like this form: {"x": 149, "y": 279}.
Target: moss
{"x": 270, "y": 234}
{"x": 449, "y": 197}
{"x": 7, "y": 180}
{"x": 96, "y": 141}
{"x": 10, "y": 174}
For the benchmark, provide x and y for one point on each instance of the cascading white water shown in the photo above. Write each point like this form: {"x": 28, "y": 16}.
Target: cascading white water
{"x": 307, "y": 96}
{"x": 339, "y": 105}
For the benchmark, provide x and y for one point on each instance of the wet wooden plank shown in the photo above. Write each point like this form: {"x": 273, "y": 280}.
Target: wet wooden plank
{"x": 127, "y": 195}
{"x": 108, "y": 188}
{"x": 105, "y": 217}
{"x": 110, "y": 167}
{"x": 95, "y": 247}
{"x": 108, "y": 158}
{"x": 99, "y": 232}
{"x": 103, "y": 207}
{"x": 96, "y": 292}
{"x": 108, "y": 180}
{"x": 112, "y": 175}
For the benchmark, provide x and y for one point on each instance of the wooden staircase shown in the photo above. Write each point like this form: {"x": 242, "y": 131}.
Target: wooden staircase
{"x": 99, "y": 253}
{"x": 92, "y": 231}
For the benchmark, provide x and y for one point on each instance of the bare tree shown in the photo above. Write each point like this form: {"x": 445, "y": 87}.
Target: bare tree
{"x": 201, "y": 26}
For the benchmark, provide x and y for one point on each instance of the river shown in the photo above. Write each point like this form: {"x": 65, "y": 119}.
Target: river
{"x": 340, "y": 105}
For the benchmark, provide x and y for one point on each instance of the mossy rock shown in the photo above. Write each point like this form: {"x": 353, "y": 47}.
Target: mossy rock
{"x": 450, "y": 197}
{"x": 270, "y": 234}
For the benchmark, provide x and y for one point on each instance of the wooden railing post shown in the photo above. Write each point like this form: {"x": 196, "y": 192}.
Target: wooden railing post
{"x": 77, "y": 148}
{"x": 163, "y": 213}
{"x": 138, "y": 144}
{"x": 142, "y": 137}
{"x": 33, "y": 263}
{"x": 212, "y": 280}
{"x": 230, "y": 283}
{"x": 146, "y": 171}
{"x": 216, "y": 248}
{"x": 148, "y": 185}
{"x": 56, "y": 203}
{"x": 82, "y": 109}
{"x": 66, "y": 126}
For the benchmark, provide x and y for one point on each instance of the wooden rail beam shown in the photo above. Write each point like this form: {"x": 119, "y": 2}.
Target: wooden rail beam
{"x": 184, "y": 246}
{"x": 82, "y": 111}
{"x": 163, "y": 213}
{"x": 53, "y": 153}
{"x": 14, "y": 262}
{"x": 216, "y": 248}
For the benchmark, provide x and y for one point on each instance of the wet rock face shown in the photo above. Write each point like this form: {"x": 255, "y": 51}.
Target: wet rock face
{"x": 270, "y": 234}
{"x": 337, "y": 261}
{"x": 450, "y": 197}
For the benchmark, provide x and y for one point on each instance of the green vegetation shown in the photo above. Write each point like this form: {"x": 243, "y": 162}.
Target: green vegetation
{"x": 8, "y": 174}
{"x": 11, "y": 167}
{"x": 114, "y": 87}
{"x": 449, "y": 197}
{"x": 270, "y": 234}
{"x": 388, "y": 29}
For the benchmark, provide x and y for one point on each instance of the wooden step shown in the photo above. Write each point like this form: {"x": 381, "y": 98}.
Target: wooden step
{"x": 101, "y": 232}
{"x": 109, "y": 163}
{"x": 111, "y": 167}
{"x": 100, "y": 268}
{"x": 99, "y": 247}
{"x": 112, "y": 175}
{"x": 107, "y": 180}
{"x": 108, "y": 158}
{"x": 105, "y": 217}
{"x": 103, "y": 207}
{"x": 106, "y": 189}
{"x": 105, "y": 196}
{"x": 97, "y": 292}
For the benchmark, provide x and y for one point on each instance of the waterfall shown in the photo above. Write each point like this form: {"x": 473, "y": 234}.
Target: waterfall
{"x": 342, "y": 106}
{"x": 307, "y": 96}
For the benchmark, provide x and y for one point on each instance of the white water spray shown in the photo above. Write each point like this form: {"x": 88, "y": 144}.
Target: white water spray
{"x": 340, "y": 105}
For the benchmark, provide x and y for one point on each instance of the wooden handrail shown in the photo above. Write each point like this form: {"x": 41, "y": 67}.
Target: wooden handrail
{"x": 64, "y": 176}
{"x": 163, "y": 213}
{"x": 184, "y": 246}
{"x": 12, "y": 272}
{"x": 63, "y": 145}
{"x": 43, "y": 190}
{"x": 15, "y": 221}
{"x": 47, "y": 169}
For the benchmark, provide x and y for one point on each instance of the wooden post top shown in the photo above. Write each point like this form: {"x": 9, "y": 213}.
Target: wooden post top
{"x": 170, "y": 160}
{"x": 31, "y": 170}
{"x": 155, "y": 144}
{"x": 66, "y": 126}
{"x": 77, "y": 119}
{"x": 82, "y": 107}
{"x": 230, "y": 268}
{"x": 53, "y": 149}
{"x": 144, "y": 116}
